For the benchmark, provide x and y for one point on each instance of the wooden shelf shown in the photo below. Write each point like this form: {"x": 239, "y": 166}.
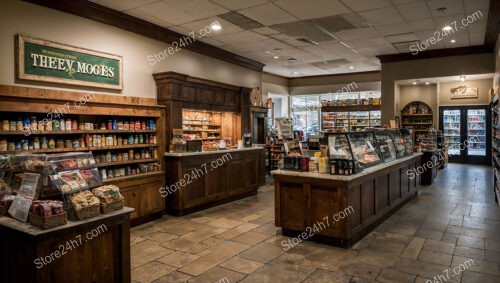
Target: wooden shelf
{"x": 92, "y": 148}
{"x": 134, "y": 176}
{"x": 211, "y": 125}
{"x": 135, "y": 161}
{"x": 208, "y": 131}
{"x": 350, "y": 108}
{"x": 75, "y": 132}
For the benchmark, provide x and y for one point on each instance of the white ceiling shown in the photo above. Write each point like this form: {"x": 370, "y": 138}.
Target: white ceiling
{"x": 363, "y": 28}
{"x": 448, "y": 79}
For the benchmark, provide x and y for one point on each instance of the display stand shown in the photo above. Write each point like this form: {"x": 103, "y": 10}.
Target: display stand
{"x": 418, "y": 116}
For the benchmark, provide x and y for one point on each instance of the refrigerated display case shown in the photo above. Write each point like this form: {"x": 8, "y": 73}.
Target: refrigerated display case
{"x": 359, "y": 120}
{"x": 375, "y": 119}
{"x": 467, "y": 130}
{"x": 342, "y": 121}
{"x": 451, "y": 130}
{"x": 349, "y": 121}
{"x": 399, "y": 142}
{"x": 328, "y": 121}
{"x": 386, "y": 145}
{"x": 359, "y": 147}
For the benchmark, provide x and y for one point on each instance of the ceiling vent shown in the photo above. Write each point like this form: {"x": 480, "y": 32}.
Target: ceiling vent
{"x": 238, "y": 19}
{"x": 330, "y": 63}
{"x": 404, "y": 46}
{"x": 307, "y": 40}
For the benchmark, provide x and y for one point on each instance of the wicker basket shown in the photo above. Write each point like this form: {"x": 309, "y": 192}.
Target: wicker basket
{"x": 49, "y": 221}
{"x": 87, "y": 212}
{"x": 112, "y": 206}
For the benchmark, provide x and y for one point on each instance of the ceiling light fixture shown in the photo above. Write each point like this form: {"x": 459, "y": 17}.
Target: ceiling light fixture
{"x": 276, "y": 57}
{"x": 215, "y": 26}
{"x": 447, "y": 28}
{"x": 351, "y": 67}
{"x": 414, "y": 83}
{"x": 453, "y": 41}
{"x": 427, "y": 83}
{"x": 462, "y": 78}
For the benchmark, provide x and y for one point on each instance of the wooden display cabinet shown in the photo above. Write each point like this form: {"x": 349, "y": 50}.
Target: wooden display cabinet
{"x": 141, "y": 190}
{"x": 418, "y": 116}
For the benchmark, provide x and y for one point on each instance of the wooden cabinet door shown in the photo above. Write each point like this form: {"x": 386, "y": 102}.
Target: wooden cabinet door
{"x": 252, "y": 171}
{"x": 236, "y": 177}
{"x": 194, "y": 190}
{"x": 233, "y": 98}
{"x": 220, "y": 97}
{"x": 189, "y": 93}
{"x": 150, "y": 199}
{"x": 131, "y": 199}
{"x": 217, "y": 181}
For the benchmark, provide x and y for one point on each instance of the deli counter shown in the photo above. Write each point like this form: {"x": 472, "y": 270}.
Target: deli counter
{"x": 369, "y": 178}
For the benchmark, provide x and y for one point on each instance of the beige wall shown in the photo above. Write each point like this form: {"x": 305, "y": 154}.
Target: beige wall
{"x": 36, "y": 21}
{"x": 274, "y": 84}
{"x": 496, "y": 79}
{"x": 428, "y": 68}
{"x": 425, "y": 93}
{"x": 483, "y": 87}
{"x": 324, "y": 84}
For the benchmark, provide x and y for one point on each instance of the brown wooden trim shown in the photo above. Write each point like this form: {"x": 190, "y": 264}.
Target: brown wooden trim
{"x": 63, "y": 95}
{"x": 126, "y": 22}
{"x": 336, "y": 75}
{"x": 493, "y": 25}
{"x": 181, "y": 78}
{"x": 275, "y": 75}
{"x": 436, "y": 53}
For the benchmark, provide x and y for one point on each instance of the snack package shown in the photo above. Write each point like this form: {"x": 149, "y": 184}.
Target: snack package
{"x": 83, "y": 199}
{"x": 107, "y": 193}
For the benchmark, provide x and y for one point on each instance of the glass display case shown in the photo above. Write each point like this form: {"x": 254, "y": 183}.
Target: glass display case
{"x": 408, "y": 138}
{"x": 399, "y": 142}
{"x": 359, "y": 147}
{"x": 386, "y": 145}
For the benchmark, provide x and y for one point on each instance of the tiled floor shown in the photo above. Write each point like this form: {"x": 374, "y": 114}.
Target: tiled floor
{"x": 450, "y": 222}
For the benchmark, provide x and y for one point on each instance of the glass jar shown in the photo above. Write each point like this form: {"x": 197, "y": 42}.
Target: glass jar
{"x": 120, "y": 125}
{"x": 3, "y": 145}
{"x": 52, "y": 143}
{"x": 55, "y": 125}
{"x": 48, "y": 126}
{"x": 108, "y": 156}
{"x": 19, "y": 125}
{"x": 44, "y": 143}
{"x": 81, "y": 126}
{"x": 69, "y": 125}
{"x": 126, "y": 126}
{"x": 62, "y": 125}
{"x": 11, "y": 146}
{"x": 41, "y": 125}
{"x": 130, "y": 154}
{"x": 125, "y": 156}
{"x": 5, "y": 125}
{"x": 155, "y": 153}
{"x": 33, "y": 123}
{"x": 119, "y": 141}
{"x": 36, "y": 143}
{"x": 68, "y": 144}
{"x": 12, "y": 125}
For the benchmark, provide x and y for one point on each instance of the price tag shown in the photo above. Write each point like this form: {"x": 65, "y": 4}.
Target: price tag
{"x": 21, "y": 204}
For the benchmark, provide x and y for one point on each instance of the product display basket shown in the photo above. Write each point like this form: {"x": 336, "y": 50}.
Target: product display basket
{"x": 112, "y": 206}
{"x": 87, "y": 212}
{"x": 46, "y": 222}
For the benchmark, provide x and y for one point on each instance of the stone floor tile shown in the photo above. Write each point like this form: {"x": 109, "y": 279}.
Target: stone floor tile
{"x": 182, "y": 228}
{"x": 251, "y": 238}
{"x": 435, "y": 257}
{"x": 363, "y": 270}
{"x": 438, "y": 246}
{"x": 160, "y": 237}
{"x": 450, "y": 238}
{"x": 429, "y": 234}
{"x": 218, "y": 274}
{"x": 469, "y": 252}
{"x": 202, "y": 234}
{"x": 224, "y": 223}
{"x": 185, "y": 246}
{"x": 174, "y": 277}
{"x": 151, "y": 271}
{"x": 242, "y": 265}
{"x": 205, "y": 263}
{"x": 177, "y": 259}
{"x": 471, "y": 276}
{"x": 390, "y": 275}
{"x": 413, "y": 249}
{"x": 146, "y": 251}
{"x": 471, "y": 242}
{"x": 326, "y": 276}
{"x": 477, "y": 265}
{"x": 234, "y": 232}
{"x": 262, "y": 252}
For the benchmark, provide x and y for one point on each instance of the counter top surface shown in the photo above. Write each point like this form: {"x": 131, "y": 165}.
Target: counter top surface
{"x": 34, "y": 231}
{"x": 182, "y": 154}
{"x": 342, "y": 177}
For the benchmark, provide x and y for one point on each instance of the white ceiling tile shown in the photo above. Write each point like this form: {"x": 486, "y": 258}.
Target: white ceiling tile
{"x": 312, "y": 9}
{"x": 398, "y": 28}
{"x": 472, "y": 6}
{"x": 414, "y": 11}
{"x": 226, "y": 26}
{"x": 211, "y": 41}
{"x": 160, "y": 10}
{"x": 382, "y": 16}
{"x": 359, "y": 33}
{"x": 361, "y": 43}
{"x": 196, "y": 8}
{"x": 124, "y": 5}
{"x": 239, "y": 37}
{"x": 181, "y": 30}
{"x": 400, "y": 2}
{"x": 422, "y": 25}
{"x": 401, "y": 37}
{"x": 453, "y": 7}
{"x": 148, "y": 17}
{"x": 265, "y": 31}
{"x": 476, "y": 38}
{"x": 237, "y": 5}
{"x": 359, "y": 6}
{"x": 268, "y": 14}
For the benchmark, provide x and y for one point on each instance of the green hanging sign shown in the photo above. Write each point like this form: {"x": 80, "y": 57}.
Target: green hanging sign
{"x": 47, "y": 61}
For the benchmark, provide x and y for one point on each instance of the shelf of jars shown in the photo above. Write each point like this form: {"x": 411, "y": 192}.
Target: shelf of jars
{"x": 419, "y": 117}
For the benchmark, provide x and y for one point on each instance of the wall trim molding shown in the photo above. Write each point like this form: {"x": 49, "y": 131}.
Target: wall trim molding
{"x": 108, "y": 16}
{"x": 436, "y": 53}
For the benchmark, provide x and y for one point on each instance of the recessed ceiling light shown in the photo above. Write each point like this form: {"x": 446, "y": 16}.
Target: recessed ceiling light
{"x": 215, "y": 25}
{"x": 414, "y": 83}
{"x": 453, "y": 41}
{"x": 351, "y": 67}
{"x": 427, "y": 83}
{"x": 447, "y": 28}
{"x": 294, "y": 73}
{"x": 276, "y": 57}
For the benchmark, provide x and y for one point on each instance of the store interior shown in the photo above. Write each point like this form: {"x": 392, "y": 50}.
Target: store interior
{"x": 250, "y": 141}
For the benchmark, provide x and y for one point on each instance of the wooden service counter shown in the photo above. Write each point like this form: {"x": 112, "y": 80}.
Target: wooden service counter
{"x": 91, "y": 250}
{"x": 198, "y": 180}
{"x": 352, "y": 205}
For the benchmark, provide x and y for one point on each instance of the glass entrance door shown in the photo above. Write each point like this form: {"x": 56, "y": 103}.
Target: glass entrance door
{"x": 451, "y": 130}
{"x": 476, "y": 132}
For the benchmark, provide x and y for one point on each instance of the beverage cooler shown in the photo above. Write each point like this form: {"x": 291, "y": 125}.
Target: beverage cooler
{"x": 467, "y": 130}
